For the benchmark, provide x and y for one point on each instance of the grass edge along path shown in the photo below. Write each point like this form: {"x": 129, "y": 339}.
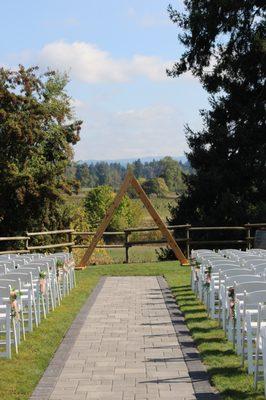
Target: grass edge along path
{"x": 19, "y": 376}
{"x": 216, "y": 352}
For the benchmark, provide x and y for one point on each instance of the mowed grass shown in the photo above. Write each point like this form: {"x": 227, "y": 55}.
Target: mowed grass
{"x": 138, "y": 254}
{"x": 19, "y": 376}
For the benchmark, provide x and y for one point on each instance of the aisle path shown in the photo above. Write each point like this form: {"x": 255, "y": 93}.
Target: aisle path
{"x": 123, "y": 346}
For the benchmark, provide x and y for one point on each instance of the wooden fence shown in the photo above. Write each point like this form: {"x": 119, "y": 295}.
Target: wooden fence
{"x": 184, "y": 234}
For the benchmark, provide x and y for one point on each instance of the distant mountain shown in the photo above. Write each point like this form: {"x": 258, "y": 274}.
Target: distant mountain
{"x": 125, "y": 161}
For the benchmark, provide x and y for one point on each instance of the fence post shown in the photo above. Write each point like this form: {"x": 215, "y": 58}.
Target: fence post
{"x": 69, "y": 239}
{"x": 248, "y": 238}
{"x": 188, "y": 240}
{"x": 127, "y": 233}
{"x": 27, "y": 241}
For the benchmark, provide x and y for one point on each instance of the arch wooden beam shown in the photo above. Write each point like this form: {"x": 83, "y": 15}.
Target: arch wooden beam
{"x": 159, "y": 222}
{"x": 131, "y": 180}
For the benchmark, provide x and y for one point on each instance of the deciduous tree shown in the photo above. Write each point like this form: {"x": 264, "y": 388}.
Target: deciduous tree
{"x": 37, "y": 131}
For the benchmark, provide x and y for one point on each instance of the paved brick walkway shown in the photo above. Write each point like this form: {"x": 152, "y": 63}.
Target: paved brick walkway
{"x": 122, "y": 347}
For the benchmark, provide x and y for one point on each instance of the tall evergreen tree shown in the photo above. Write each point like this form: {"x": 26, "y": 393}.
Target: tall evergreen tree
{"x": 37, "y": 131}
{"x": 225, "y": 48}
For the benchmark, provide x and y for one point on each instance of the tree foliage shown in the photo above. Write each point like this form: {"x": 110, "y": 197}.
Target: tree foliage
{"x": 112, "y": 174}
{"x": 37, "y": 131}
{"x": 225, "y": 48}
{"x": 155, "y": 186}
{"x": 98, "y": 200}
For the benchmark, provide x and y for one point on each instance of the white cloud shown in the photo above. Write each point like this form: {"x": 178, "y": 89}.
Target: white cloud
{"x": 87, "y": 63}
{"x": 152, "y": 131}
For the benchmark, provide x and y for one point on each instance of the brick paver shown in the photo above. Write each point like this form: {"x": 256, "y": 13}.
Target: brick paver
{"x": 126, "y": 349}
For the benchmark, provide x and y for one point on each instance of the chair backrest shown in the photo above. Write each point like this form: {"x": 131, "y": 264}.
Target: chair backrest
{"x": 254, "y": 298}
{"x": 260, "y": 267}
{"x": 35, "y": 264}
{"x": 225, "y": 267}
{"x": 25, "y": 277}
{"x": 247, "y": 263}
{"x": 9, "y": 264}
{"x": 36, "y": 257}
{"x": 60, "y": 256}
{"x": 4, "y": 292}
{"x": 3, "y": 269}
{"x": 253, "y": 286}
{"x": 50, "y": 261}
{"x": 19, "y": 261}
{"x": 235, "y": 272}
{"x": 33, "y": 271}
{"x": 218, "y": 263}
{"x": 232, "y": 280}
{"x": 14, "y": 283}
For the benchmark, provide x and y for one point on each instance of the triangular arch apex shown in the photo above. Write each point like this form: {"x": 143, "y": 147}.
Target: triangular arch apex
{"x": 130, "y": 180}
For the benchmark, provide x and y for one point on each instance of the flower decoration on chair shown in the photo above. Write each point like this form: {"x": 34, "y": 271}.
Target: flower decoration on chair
{"x": 15, "y": 312}
{"x": 208, "y": 276}
{"x": 42, "y": 276}
{"x": 59, "y": 266}
{"x": 231, "y": 295}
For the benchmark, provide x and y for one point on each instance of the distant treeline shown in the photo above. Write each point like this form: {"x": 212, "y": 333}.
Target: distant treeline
{"x": 101, "y": 173}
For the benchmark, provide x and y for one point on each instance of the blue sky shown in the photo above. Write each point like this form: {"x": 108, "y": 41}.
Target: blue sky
{"x": 116, "y": 53}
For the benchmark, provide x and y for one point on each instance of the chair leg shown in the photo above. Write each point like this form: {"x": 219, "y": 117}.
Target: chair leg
{"x": 52, "y": 297}
{"x": 43, "y": 307}
{"x": 47, "y": 303}
{"x": 57, "y": 293}
{"x": 8, "y": 335}
{"x": 250, "y": 352}
{"x": 15, "y": 334}
{"x": 256, "y": 367}
{"x": 34, "y": 309}
{"x": 30, "y": 324}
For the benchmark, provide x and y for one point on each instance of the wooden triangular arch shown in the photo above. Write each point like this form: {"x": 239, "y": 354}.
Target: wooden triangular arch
{"x": 131, "y": 180}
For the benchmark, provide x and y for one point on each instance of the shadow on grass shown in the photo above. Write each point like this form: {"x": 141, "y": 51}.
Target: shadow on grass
{"x": 223, "y": 365}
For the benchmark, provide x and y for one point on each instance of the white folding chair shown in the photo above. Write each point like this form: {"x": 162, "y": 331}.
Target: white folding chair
{"x": 8, "y": 323}
{"x": 250, "y": 309}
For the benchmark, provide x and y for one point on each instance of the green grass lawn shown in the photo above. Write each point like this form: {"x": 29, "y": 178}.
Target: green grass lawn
{"x": 137, "y": 254}
{"x": 19, "y": 376}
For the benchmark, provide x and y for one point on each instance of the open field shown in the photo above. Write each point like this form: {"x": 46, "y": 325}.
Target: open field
{"x": 19, "y": 376}
{"x": 160, "y": 204}
{"x": 162, "y": 207}
{"x": 138, "y": 254}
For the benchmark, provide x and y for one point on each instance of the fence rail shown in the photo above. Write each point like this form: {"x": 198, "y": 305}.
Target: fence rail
{"x": 70, "y": 239}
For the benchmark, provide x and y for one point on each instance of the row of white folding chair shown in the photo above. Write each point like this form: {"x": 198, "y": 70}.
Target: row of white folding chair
{"x": 215, "y": 264}
{"x": 219, "y": 275}
{"x": 18, "y": 283}
{"x": 43, "y": 300}
{"x": 240, "y": 282}
{"x": 242, "y": 325}
{"x": 206, "y": 259}
{"x": 260, "y": 353}
{"x": 68, "y": 271}
{"x": 9, "y": 325}
{"x": 48, "y": 267}
{"x": 247, "y": 318}
{"x": 244, "y": 256}
{"x": 237, "y": 284}
{"x": 35, "y": 268}
{"x": 196, "y": 258}
{"x": 29, "y": 288}
{"x": 29, "y": 293}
